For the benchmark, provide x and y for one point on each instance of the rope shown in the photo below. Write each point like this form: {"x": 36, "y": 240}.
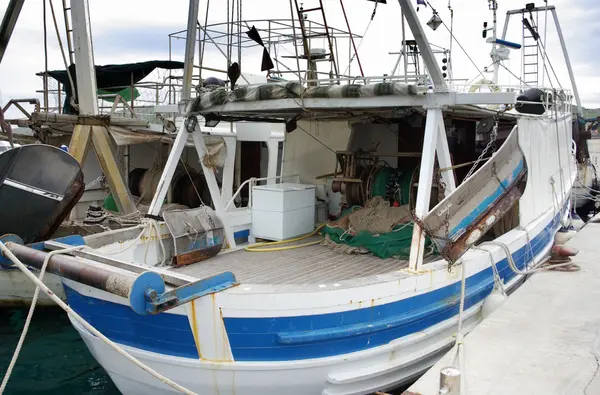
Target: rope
{"x": 513, "y": 266}
{"x": 8, "y": 253}
{"x": 459, "y": 358}
{"x": 258, "y": 247}
{"x": 15, "y": 356}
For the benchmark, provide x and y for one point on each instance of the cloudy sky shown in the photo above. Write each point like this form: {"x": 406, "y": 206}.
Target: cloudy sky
{"x": 137, "y": 30}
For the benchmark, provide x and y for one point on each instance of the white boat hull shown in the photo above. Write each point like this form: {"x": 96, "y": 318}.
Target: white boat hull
{"x": 384, "y": 367}
{"x": 17, "y": 290}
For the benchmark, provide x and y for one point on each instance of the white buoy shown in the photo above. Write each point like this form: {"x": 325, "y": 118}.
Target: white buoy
{"x": 492, "y": 302}
{"x": 563, "y": 236}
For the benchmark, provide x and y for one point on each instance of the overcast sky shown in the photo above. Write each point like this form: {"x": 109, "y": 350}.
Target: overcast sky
{"x": 137, "y": 30}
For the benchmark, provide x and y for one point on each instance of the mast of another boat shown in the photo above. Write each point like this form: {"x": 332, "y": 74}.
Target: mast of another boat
{"x": 493, "y": 5}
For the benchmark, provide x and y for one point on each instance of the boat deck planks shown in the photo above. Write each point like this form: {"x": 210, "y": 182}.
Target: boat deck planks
{"x": 314, "y": 264}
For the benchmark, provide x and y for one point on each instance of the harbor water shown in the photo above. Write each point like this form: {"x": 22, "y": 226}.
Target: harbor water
{"x": 53, "y": 360}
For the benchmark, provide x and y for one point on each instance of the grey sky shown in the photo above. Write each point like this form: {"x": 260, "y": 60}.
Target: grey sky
{"x": 137, "y": 30}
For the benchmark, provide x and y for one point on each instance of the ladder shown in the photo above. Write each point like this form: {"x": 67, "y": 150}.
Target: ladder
{"x": 307, "y": 36}
{"x": 412, "y": 65}
{"x": 530, "y": 54}
{"x": 69, "y": 29}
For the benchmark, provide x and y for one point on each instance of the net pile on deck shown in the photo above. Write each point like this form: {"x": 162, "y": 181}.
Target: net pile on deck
{"x": 377, "y": 228}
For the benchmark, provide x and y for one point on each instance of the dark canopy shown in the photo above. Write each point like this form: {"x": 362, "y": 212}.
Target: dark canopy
{"x": 113, "y": 75}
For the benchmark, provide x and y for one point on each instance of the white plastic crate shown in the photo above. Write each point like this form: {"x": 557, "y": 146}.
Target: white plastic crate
{"x": 282, "y": 211}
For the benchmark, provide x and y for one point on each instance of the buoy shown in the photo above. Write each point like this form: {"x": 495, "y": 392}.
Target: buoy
{"x": 492, "y": 302}
{"x": 562, "y": 236}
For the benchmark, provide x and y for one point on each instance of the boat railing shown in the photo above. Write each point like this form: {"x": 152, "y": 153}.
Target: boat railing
{"x": 552, "y": 98}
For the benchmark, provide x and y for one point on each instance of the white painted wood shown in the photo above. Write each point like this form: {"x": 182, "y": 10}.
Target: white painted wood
{"x": 167, "y": 175}
{"x": 213, "y": 187}
{"x": 444, "y": 159}
{"x": 432, "y": 127}
{"x": 84, "y": 58}
{"x": 228, "y": 169}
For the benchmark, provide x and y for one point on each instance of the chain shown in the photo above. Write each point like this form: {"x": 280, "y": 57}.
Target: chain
{"x": 490, "y": 143}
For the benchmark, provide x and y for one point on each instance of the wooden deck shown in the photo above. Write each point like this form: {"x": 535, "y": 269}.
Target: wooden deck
{"x": 305, "y": 265}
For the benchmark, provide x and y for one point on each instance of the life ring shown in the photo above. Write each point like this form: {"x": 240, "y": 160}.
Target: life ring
{"x": 484, "y": 82}
{"x": 491, "y": 86}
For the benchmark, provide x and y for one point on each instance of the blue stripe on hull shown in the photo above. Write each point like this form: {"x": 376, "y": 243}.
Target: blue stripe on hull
{"x": 323, "y": 335}
{"x": 301, "y": 337}
{"x": 162, "y": 333}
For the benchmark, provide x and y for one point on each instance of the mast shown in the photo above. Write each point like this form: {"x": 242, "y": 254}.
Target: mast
{"x": 493, "y": 5}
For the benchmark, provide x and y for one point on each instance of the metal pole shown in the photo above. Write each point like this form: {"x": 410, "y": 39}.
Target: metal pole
{"x": 569, "y": 68}
{"x": 426, "y": 52}
{"x": 405, "y": 58}
{"x": 432, "y": 126}
{"x": 45, "y": 59}
{"x": 362, "y": 74}
{"x": 190, "y": 43}
{"x": 294, "y": 40}
{"x": 8, "y": 24}
{"x": 73, "y": 269}
{"x": 84, "y": 58}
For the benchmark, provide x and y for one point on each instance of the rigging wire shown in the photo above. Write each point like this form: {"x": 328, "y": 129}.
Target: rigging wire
{"x": 62, "y": 51}
{"x": 352, "y": 39}
{"x": 355, "y": 55}
{"x": 316, "y": 139}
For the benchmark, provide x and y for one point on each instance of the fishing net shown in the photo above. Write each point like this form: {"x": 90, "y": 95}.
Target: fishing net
{"x": 377, "y": 228}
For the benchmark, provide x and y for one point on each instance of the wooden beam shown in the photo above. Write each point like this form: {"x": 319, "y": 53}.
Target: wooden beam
{"x": 103, "y": 148}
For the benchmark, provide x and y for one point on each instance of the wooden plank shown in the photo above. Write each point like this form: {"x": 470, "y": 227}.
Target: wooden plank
{"x": 102, "y": 146}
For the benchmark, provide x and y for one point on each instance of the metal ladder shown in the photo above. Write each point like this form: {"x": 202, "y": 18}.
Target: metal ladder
{"x": 530, "y": 55}
{"x": 69, "y": 29}
{"x": 307, "y": 37}
{"x": 411, "y": 51}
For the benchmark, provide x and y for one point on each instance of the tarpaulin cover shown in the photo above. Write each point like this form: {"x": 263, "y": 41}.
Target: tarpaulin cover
{"x": 112, "y": 75}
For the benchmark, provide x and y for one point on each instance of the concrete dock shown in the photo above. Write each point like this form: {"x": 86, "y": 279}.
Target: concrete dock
{"x": 544, "y": 339}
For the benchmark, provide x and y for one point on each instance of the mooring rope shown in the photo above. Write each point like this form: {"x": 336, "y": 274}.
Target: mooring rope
{"x": 8, "y": 253}
{"x": 36, "y": 294}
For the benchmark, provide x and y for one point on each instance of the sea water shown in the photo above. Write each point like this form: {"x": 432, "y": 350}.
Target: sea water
{"x": 53, "y": 360}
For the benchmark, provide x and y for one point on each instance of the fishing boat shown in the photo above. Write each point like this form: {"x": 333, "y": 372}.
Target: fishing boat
{"x": 365, "y": 298}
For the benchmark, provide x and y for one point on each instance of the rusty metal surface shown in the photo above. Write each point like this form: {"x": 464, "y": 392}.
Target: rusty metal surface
{"x": 196, "y": 255}
{"x": 455, "y": 250}
{"x": 72, "y": 268}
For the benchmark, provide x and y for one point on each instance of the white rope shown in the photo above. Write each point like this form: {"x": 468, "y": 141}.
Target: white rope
{"x": 15, "y": 356}
{"x": 459, "y": 358}
{"x": 8, "y": 253}
{"x": 513, "y": 266}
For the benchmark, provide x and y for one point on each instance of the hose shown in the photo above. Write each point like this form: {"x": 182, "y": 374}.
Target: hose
{"x": 258, "y": 247}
